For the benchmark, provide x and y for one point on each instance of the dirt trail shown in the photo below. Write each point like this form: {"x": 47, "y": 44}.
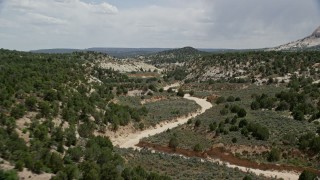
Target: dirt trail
{"x": 133, "y": 139}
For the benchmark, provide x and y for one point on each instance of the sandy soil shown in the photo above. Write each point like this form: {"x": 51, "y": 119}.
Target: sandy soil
{"x": 25, "y": 174}
{"x": 154, "y": 99}
{"x": 135, "y": 93}
{"x": 284, "y": 175}
{"x": 172, "y": 86}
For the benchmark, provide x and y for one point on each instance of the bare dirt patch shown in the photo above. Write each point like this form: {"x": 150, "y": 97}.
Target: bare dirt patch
{"x": 144, "y": 75}
{"x": 25, "y": 174}
{"x": 154, "y": 99}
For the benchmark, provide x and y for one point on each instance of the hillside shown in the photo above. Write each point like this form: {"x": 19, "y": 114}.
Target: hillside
{"x": 314, "y": 48}
{"x": 265, "y": 112}
{"x": 181, "y": 55}
{"x": 302, "y": 44}
{"x": 126, "y": 65}
{"x": 50, "y": 108}
{"x": 256, "y": 67}
{"x": 56, "y": 51}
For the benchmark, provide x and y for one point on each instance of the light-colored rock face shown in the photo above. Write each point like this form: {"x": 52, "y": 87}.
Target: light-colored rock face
{"x": 123, "y": 66}
{"x": 310, "y": 41}
{"x": 316, "y": 33}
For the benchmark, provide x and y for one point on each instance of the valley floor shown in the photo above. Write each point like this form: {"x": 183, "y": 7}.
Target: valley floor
{"x": 132, "y": 141}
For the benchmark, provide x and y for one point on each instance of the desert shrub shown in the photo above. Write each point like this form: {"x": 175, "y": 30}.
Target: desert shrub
{"x": 289, "y": 139}
{"x": 197, "y": 123}
{"x": 18, "y": 111}
{"x": 198, "y": 148}
{"x": 258, "y": 131}
{"x": 220, "y": 100}
{"x": 243, "y": 123}
{"x": 234, "y": 120}
{"x": 274, "y": 155}
{"x": 224, "y": 111}
{"x": 307, "y": 175}
{"x": 213, "y": 126}
{"x": 8, "y": 175}
{"x": 173, "y": 143}
{"x": 255, "y": 105}
{"x": 234, "y": 140}
{"x": 298, "y": 115}
{"x": 230, "y": 99}
{"x": 227, "y": 121}
{"x": 242, "y": 113}
{"x": 180, "y": 93}
{"x": 234, "y": 128}
{"x": 141, "y": 126}
{"x": 283, "y": 106}
{"x": 170, "y": 90}
{"x": 235, "y": 109}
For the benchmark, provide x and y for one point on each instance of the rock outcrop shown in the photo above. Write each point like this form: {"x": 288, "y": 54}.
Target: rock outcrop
{"x": 302, "y": 44}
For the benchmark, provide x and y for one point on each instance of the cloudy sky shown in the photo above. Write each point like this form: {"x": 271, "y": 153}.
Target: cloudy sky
{"x": 39, "y": 24}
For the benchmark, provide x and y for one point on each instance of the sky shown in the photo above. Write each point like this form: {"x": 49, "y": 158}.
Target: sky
{"x": 236, "y": 24}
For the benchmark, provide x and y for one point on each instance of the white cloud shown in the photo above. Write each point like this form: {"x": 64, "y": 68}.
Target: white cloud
{"x": 41, "y": 19}
{"x": 169, "y": 23}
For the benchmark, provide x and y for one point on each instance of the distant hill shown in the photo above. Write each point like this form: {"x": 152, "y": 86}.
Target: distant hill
{"x": 56, "y": 51}
{"x": 127, "y": 52}
{"x": 181, "y": 51}
{"x": 253, "y": 66}
{"x": 116, "y": 52}
{"x": 134, "y": 52}
{"x": 175, "y": 55}
{"x": 311, "y": 42}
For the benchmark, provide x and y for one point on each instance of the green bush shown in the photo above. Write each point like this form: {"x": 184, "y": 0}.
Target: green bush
{"x": 230, "y": 99}
{"x": 243, "y": 123}
{"x": 141, "y": 126}
{"x": 242, "y": 113}
{"x": 258, "y": 131}
{"x": 173, "y": 143}
{"x": 213, "y": 126}
{"x": 224, "y": 111}
{"x": 274, "y": 155}
{"x": 307, "y": 175}
{"x": 180, "y": 93}
{"x": 234, "y": 140}
{"x": 198, "y": 148}
{"x": 18, "y": 111}
{"x": 220, "y": 100}
{"x": 8, "y": 175}
{"x": 197, "y": 123}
